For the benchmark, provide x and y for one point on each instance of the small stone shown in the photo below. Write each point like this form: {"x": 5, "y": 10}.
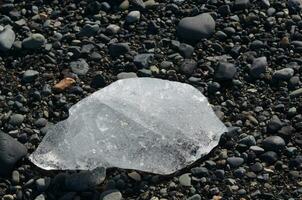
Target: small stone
{"x": 79, "y": 67}
{"x": 239, "y": 173}
{"x": 117, "y": 49}
{"x": 89, "y": 30}
{"x": 269, "y": 157}
{"x": 257, "y": 150}
{"x": 242, "y": 4}
{"x": 273, "y": 143}
{"x": 138, "y": 3}
{"x": 85, "y": 180}
{"x": 40, "y": 197}
{"x": 200, "y": 172}
{"x": 248, "y": 140}
{"x": 124, "y": 5}
{"x": 274, "y": 124}
{"x": 15, "y": 177}
{"x": 185, "y": 180}
{"x": 29, "y": 76}
{"x": 7, "y": 38}
{"x": 35, "y": 41}
{"x": 195, "y": 28}
{"x": 42, "y": 184}
{"x": 143, "y": 60}
{"x": 133, "y": 16}
{"x": 98, "y": 81}
{"x": 235, "y": 161}
{"x": 8, "y": 197}
{"x": 258, "y": 67}
{"x": 111, "y": 195}
{"x": 186, "y": 50}
{"x": 10, "y": 152}
{"x": 283, "y": 74}
{"x": 16, "y": 119}
{"x": 64, "y": 84}
{"x": 113, "y": 28}
{"x": 257, "y": 167}
{"x": 188, "y": 66}
{"x": 195, "y": 197}
{"x": 295, "y": 5}
{"x": 296, "y": 93}
{"x": 124, "y": 75}
{"x": 135, "y": 176}
{"x": 225, "y": 71}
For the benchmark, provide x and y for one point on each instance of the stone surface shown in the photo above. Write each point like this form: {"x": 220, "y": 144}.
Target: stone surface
{"x": 10, "y": 152}
{"x": 133, "y": 17}
{"x": 273, "y": 143}
{"x": 225, "y": 71}
{"x": 258, "y": 67}
{"x": 34, "y": 41}
{"x": 7, "y": 38}
{"x": 195, "y": 28}
{"x": 79, "y": 67}
{"x": 141, "y": 117}
{"x": 85, "y": 180}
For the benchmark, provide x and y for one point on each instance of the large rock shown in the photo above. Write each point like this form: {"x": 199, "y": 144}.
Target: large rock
{"x": 146, "y": 124}
{"x": 7, "y": 38}
{"x": 117, "y": 49}
{"x": 196, "y": 28}
{"x": 10, "y": 152}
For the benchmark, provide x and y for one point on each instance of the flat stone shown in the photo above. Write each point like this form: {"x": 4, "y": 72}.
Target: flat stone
{"x": 143, "y": 60}
{"x": 7, "y": 38}
{"x": 283, "y": 74}
{"x": 11, "y": 151}
{"x": 258, "y": 67}
{"x": 296, "y": 93}
{"x": 16, "y": 119}
{"x": 273, "y": 143}
{"x": 111, "y": 195}
{"x": 89, "y": 30}
{"x": 124, "y": 75}
{"x": 29, "y": 76}
{"x": 196, "y": 28}
{"x": 35, "y": 41}
{"x": 133, "y": 17}
{"x": 85, "y": 180}
{"x": 225, "y": 71}
{"x": 117, "y": 49}
{"x": 235, "y": 161}
{"x": 188, "y": 66}
{"x": 185, "y": 180}
{"x": 79, "y": 67}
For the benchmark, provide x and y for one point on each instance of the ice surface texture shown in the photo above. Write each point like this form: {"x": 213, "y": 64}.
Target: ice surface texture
{"x": 145, "y": 124}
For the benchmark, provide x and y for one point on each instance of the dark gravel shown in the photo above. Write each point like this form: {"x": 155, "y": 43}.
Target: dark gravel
{"x": 244, "y": 55}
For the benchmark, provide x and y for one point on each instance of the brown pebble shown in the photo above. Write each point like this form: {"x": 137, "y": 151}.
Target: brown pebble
{"x": 64, "y": 84}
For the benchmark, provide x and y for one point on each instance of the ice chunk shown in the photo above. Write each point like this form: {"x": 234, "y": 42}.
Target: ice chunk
{"x": 145, "y": 124}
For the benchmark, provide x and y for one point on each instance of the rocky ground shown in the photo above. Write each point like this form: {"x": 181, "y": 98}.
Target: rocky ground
{"x": 244, "y": 55}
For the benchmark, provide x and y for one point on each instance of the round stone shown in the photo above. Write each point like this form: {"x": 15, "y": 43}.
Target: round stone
{"x": 195, "y": 28}
{"x": 133, "y": 17}
{"x": 273, "y": 143}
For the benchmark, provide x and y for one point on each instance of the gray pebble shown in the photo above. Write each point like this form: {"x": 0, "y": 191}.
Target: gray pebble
{"x": 29, "y": 76}
{"x": 133, "y": 16}
{"x": 195, "y": 28}
{"x": 79, "y": 67}
{"x": 7, "y": 38}
{"x": 185, "y": 180}
{"x": 35, "y": 41}
{"x": 111, "y": 195}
